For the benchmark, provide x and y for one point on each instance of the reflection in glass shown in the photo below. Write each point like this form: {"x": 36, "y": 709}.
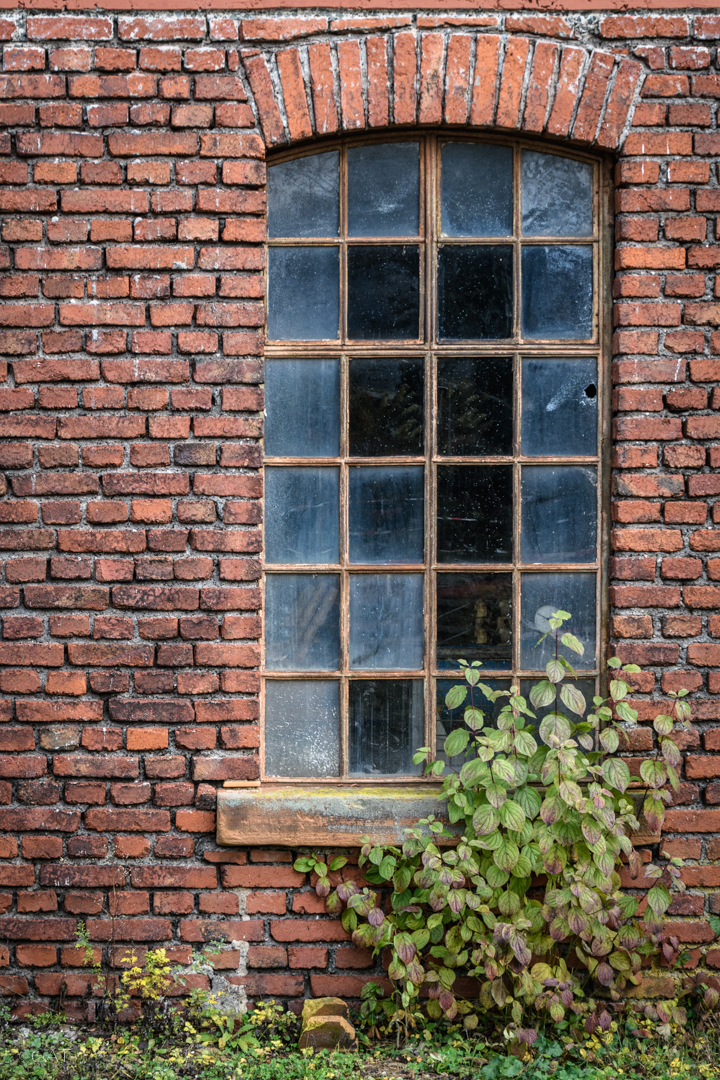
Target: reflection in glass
{"x": 302, "y": 622}
{"x": 386, "y": 407}
{"x": 447, "y": 721}
{"x": 541, "y": 595}
{"x": 302, "y": 407}
{"x": 303, "y": 196}
{"x": 386, "y": 514}
{"x": 383, "y": 292}
{"x": 475, "y": 406}
{"x": 559, "y": 513}
{"x": 302, "y": 727}
{"x": 474, "y": 521}
{"x": 476, "y": 189}
{"x": 585, "y": 686}
{"x": 303, "y": 299}
{"x": 386, "y": 726}
{"x": 302, "y": 515}
{"x": 474, "y": 619}
{"x": 475, "y": 287}
{"x": 386, "y": 621}
{"x": 559, "y": 407}
{"x": 557, "y": 291}
{"x": 384, "y": 189}
{"x": 556, "y": 195}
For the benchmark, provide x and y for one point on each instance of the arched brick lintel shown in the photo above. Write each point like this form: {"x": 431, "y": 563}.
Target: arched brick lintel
{"x": 510, "y": 82}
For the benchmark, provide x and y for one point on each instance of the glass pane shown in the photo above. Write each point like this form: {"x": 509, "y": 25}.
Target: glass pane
{"x": 475, "y": 287}
{"x": 557, "y": 292}
{"x": 302, "y": 515}
{"x": 386, "y": 514}
{"x": 386, "y": 726}
{"x": 476, "y": 189}
{"x": 303, "y": 196}
{"x": 474, "y": 619}
{"x": 386, "y": 407}
{"x": 559, "y": 513}
{"x": 541, "y": 595}
{"x": 447, "y": 721}
{"x": 303, "y": 298}
{"x": 383, "y": 292}
{"x": 559, "y": 407}
{"x": 384, "y": 189}
{"x": 302, "y": 727}
{"x": 386, "y": 621}
{"x": 474, "y": 513}
{"x": 475, "y": 406}
{"x": 556, "y": 195}
{"x": 585, "y": 686}
{"x": 302, "y": 408}
{"x": 302, "y": 622}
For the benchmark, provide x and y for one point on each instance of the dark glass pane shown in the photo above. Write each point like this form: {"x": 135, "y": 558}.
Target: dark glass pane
{"x": 475, "y": 289}
{"x": 302, "y": 727}
{"x": 557, "y": 292}
{"x": 475, "y": 406}
{"x": 541, "y": 595}
{"x": 384, "y": 189}
{"x": 559, "y": 513}
{"x": 559, "y": 407}
{"x": 302, "y": 408}
{"x": 474, "y": 513}
{"x": 476, "y": 189}
{"x": 303, "y": 298}
{"x": 474, "y": 619}
{"x": 383, "y": 292}
{"x": 585, "y": 686}
{"x": 386, "y": 726}
{"x": 447, "y": 721}
{"x": 386, "y": 514}
{"x": 386, "y": 407}
{"x": 302, "y": 622}
{"x": 556, "y": 195}
{"x": 386, "y": 621}
{"x": 302, "y": 512}
{"x": 303, "y": 196}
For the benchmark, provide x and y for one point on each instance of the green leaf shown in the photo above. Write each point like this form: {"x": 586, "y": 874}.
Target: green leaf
{"x": 659, "y": 899}
{"x": 714, "y": 921}
{"x": 474, "y": 718}
{"x": 530, "y": 801}
{"x": 618, "y": 689}
{"x": 472, "y": 770}
{"x": 456, "y": 741}
{"x": 387, "y": 867}
{"x": 626, "y": 712}
{"x": 512, "y": 815}
{"x": 338, "y": 862}
{"x": 555, "y": 729}
{"x": 496, "y": 877}
{"x": 614, "y": 662}
{"x": 506, "y": 855}
{"x": 304, "y": 864}
{"x": 525, "y": 744}
{"x": 571, "y": 642}
{"x": 670, "y": 752}
{"x": 376, "y": 855}
{"x": 653, "y": 773}
{"x": 455, "y": 696}
{"x": 503, "y": 769}
{"x": 609, "y": 740}
{"x": 616, "y": 773}
{"x": 571, "y": 696}
{"x": 485, "y": 820}
{"x": 472, "y": 676}
{"x": 555, "y": 671}
{"x": 663, "y": 724}
{"x": 543, "y": 693}
{"x": 570, "y": 792}
{"x": 496, "y": 794}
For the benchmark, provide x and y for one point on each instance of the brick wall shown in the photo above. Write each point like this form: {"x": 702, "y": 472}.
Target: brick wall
{"x": 131, "y": 218}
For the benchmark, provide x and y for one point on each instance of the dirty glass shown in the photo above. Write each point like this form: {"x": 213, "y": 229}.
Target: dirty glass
{"x": 386, "y": 407}
{"x": 474, "y": 619}
{"x": 386, "y": 726}
{"x": 474, "y": 513}
{"x": 304, "y": 196}
{"x": 476, "y": 189}
{"x": 475, "y": 291}
{"x": 557, "y": 291}
{"x": 302, "y": 727}
{"x": 559, "y": 407}
{"x": 559, "y": 513}
{"x": 302, "y": 407}
{"x": 384, "y": 189}
{"x": 386, "y": 514}
{"x": 303, "y": 296}
{"x": 386, "y": 621}
{"x": 541, "y": 595}
{"x": 383, "y": 291}
{"x": 447, "y": 721}
{"x": 302, "y": 622}
{"x": 475, "y": 406}
{"x": 556, "y": 195}
{"x": 302, "y": 513}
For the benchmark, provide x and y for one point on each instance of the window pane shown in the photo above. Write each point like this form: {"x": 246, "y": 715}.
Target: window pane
{"x": 386, "y": 726}
{"x": 386, "y": 514}
{"x": 557, "y": 292}
{"x": 474, "y": 513}
{"x": 386, "y": 407}
{"x": 303, "y": 300}
{"x": 302, "y": 408}
{"x": 447, "y": 721}
{"x": 384, "y": 189}
{"x": 556, "y": 195}
{"x": 559, "y": 514}
{"x": 302, "y": 510}
{"x": 475, "y": 406}
{"x": 474, "y": 619}
{"x": 559, "y": 407}
{"x": 303, "y": 196}
{"x": 475, "y": 291}
{"x": 383, "y": 292}
{"x": 302, "y": 622}
{"x": 476, "y": 189}
{"x": 541, "y": 595}
{"x": 386, "y": 621}
{"x": 302, "y": 727}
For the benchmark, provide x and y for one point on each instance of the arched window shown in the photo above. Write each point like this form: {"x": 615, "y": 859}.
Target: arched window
{"x": 433, "y": 388}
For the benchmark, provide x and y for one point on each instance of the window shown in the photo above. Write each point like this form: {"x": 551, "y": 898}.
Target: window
{"x": 433, "y": 387}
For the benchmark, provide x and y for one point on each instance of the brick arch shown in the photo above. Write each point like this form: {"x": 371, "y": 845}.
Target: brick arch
{"x": 509, "y": 82}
